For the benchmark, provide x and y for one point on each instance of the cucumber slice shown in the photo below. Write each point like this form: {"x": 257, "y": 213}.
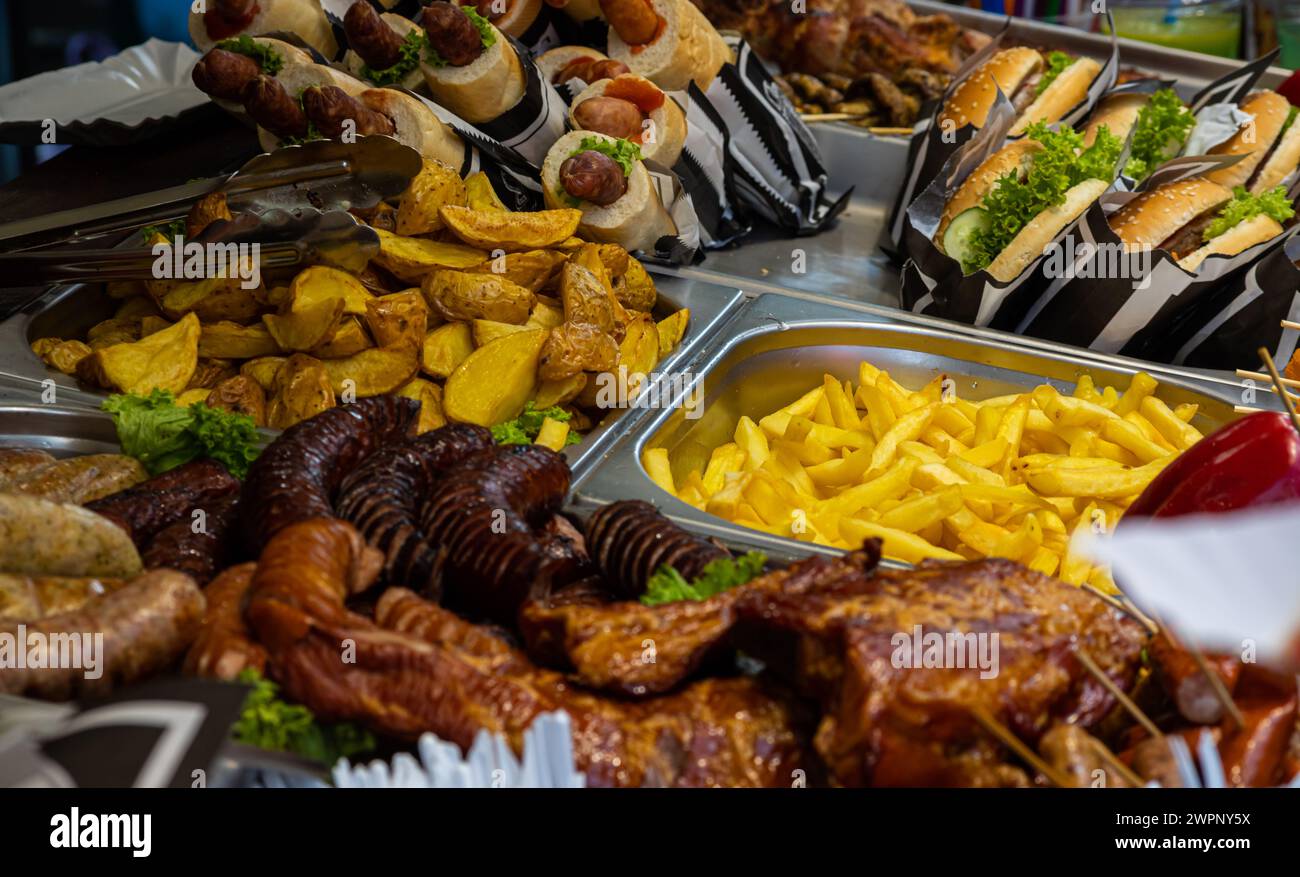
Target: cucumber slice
{"x": 957, "y": 237}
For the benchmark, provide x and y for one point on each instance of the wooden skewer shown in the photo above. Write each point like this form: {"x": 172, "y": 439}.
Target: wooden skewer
{"x": 1260, "y": 376}
{"x": 1277, "y": 380}
{"x": 1120, "y": 606}
{"x": 1125, "y": 701}
{"x": 1216, "y": 685}
{"x": 1245, "y": 409}
{"x": 1012, "y": 742}
{"x": 1290, "y": 324}
{"x": 1118, "y": 766}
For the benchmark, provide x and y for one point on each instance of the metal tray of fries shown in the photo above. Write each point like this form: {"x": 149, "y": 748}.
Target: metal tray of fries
{"x": 68, "y": 311}
{"x": 779, "y": 347}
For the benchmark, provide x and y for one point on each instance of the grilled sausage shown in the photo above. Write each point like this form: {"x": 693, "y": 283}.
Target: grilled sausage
{"x": 224, "y": 645}
{"x": 26, "y": 598}
{"x": 269, "y": 105}
{"x": 330, "y": 108}
{"x": 19, "y": 461}
{"x": 39, "y": 537}
{"x": 197, "y": 553}
{"x": 635, "y": 21}
{"x": 590, "y": 70}
{"x": 224, "y": 75}
{"x": 451, "y": 34}
{"x": 296, "y": 476}
{"x": 145, "y": 625}
{"x": 593, "y": 176}
{"x": 609, "y": 115}
{"x": 79, "y": 479}
{"x": 370, "y": 36}
{"x": 383, "y": 495}
{"x": 1186, "y": 685}
{"x": 629, "y": 541}
{"x": 148, "y": 507}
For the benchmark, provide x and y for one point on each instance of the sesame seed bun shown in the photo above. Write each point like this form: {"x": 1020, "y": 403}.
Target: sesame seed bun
{"x": 1268, "y": 111}
{"x": 1155, "y": 215}
{"x": 1066, "y": 91}
{"x": 971, "y": 101}
{"x": 1015, "y": 156}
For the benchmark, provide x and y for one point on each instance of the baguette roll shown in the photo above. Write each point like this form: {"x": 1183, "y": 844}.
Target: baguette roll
{"x": 305, "y": 18}
{"x": 662, "y": 130}
{"x": 686, "y": 48}
{"x": 403, "y": 27}
{"x": 483, "y": 89}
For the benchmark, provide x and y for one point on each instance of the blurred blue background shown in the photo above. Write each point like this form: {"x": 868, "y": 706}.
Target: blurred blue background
{"x": 40, "y": 35}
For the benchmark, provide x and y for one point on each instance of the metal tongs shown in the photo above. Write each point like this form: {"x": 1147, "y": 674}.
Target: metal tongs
{"x": 285, "y": 241}
{"x": 320, "y": 175}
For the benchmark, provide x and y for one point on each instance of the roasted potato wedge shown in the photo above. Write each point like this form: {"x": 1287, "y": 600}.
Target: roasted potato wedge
{"x": 113, "y": 331}
{"x": 305, "y": 328}
{"x": 226, "y": 340}
{"x": 210, "y": 372}
{"x": 164, "y": 360}
{"x": 212, "y": 299}
{"x": 615, "y": 258}
{"x": 671, "y": 330}
{"x": 492, "y": 385}
{"x": 560, "y": 392}
{"x": 585, "y": 299}
{"x": 639, "y": 350}
{"x": 382, "y": 216}
{"x": 242, "y": 395}
{"x": 456, "y": 295}
{"x": 398, "y": 318}
{"x": 513, "y": 232}
{"x": 207, "y": 210}
{"x": 545, "y": 316}
{"x": 302, "y": 389}
{"x": 445, "y": 348}
{"x": 479, "y": 194}
{"x": 486, "y": 331}
{"x": 434, "y": 187}
{"x": 429, "y": 395}
{"x": 151, "y": 324}
{"x": 321, "y": 282}
{"x": 136, "y": 307}
{"x": 192, "y": 397}
{"x": 350, "y": 337}
{"x": 263, "y": 371}
{"x": 410, "y": 259}
{"x": 576, "y": 347}
{"x": 373, "y": 371}
{"x": 126, "y": 289}
{"x": 533, "y": 269}
{"x": 62, "y": 355}
{"x": 637, "y": 290}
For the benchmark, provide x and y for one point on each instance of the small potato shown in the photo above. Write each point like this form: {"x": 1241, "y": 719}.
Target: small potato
{"x": 62, "y": 355}
{"x": 492, "y": 385}
{"x": 263, "y": 370}
{"x": 241, "y": 395}
{"x": 429, "y": 395}
{"x": 456, "y": 295}
{"x": 510, "y": 231}
{"x": 350, "y": 337}
{"x": 321, "y": 282}
{"x": 533, "y": 269}
{"x": 164, "y": 361}
{"x": 372, "y": 372}
{"x": 545, "y": 316}
{"x": 308, "y": 327}
{"x": 410, "y": 259}
{"x": 590, "y": 257}
{"x": 210, "y": 372}
{"x": 302, "y": 390}
{"x": 399, "y": 318}
{"x": 211, "y": 299}
{"x": 151, "y": 324}
{"x": 227, "y": 340}
{"x": 639, "y": 350}
{"x": 136, "y": 307}
{"x": 435, "y": 186}
{"x": 445, "y": 348}
{"x": 486, "y": 331}
{"x": 576, "y": 347}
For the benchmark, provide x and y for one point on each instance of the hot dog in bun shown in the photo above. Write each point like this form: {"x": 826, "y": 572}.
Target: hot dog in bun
{"x": 1020, "y": 198}
{"x": 223, "y": 19}
{"x": 631, "y": 107}
{"x": 1197, "y": 218}
{"x": 604, "y": 178}
{"x": 563, "y": 63}
{"x": 470, "y": 68}
{"x": 229, "y": 66}
{"x": 383, "y": 48}
{"x": 669, "y": 42}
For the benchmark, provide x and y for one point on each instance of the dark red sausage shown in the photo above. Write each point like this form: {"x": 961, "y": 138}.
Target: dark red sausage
{"x": 609, "y": 115}
{"x": 330, "y": 108}
{"x": 225, "y": 18}
{"x": 145, "y": 509}
{"x": 224, "y": 75}
{"x": 591, "y": 70}
{"x": 371, "y": 37}
{"x": 635, "y": 21}
{"x": 296, "y": 476}
{"x": 451, "y": 34}
{"x": 269, "y": 105}
{"x": 593, "y": 176}
{"x": 197, "y": 554}
{"x": 629, "y": 541}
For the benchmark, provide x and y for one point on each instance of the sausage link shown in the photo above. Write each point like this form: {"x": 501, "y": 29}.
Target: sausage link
{"x": 609, "y": 115}
{"x": 269, "y": 105}
{"x": 591, "y": 70}
{"x": 16, "y": 462}
{"x": 593, "y": 176}
{"x": 224, "y": 74}
{"x": 225, "y": 645}
{"x": 370, "y": 36}
{"x": 635, "y": 21}
{"x": 79, "y": 480}
{"x": 198, "y": 554}
{"x": 148, "y": 507}
{"x": 451, "y": 34}
{"x": 630, "y": 540}
{"x": 330, "y": 108}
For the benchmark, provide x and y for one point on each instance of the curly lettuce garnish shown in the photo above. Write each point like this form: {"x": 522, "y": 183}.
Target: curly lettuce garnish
{"x": 1060, "y": 165}
{"x": 1056, "y": 64}
{"x": 668, "y": 586}
{"x": 268, "y": 722}
{"x": 162, "y": 435}
{"x": 625, "y": 152}
{"x": 523, "y": 429}
{"x": 485, "y": 33}
{"x": 1162, "y": 128}
{"x": 1243, "y": 206}
{"x": 412, "y": 46}
{"x": 267, "y": 58}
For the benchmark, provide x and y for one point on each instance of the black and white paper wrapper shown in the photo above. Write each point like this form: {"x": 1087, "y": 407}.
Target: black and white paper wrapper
{"x": 931, "y": 147}
{"x": 1227, "y": 330}
{"x": 1106, "y": 300}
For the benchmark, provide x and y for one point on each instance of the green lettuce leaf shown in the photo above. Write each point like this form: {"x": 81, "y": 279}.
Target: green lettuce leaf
{"x": 625, "y": 152}
{"x": 162, "y": 435}
{"x": 1056, "y": 64}
{"x": 170, "y": 230}
{"x": 1161, "y": 130}
{"x": 267, "y": 58}
{"x": 412, "y": 46}
{"x": 1244, "y": 206}
{"x": 1061, "y": 164}
{"x": 524, "y": 428}
{"x": 723, "y": 574}
{"x": 268, "y": 722}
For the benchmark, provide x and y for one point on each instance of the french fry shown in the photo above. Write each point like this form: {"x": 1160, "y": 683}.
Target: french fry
{"x": 725, "y": 459}
{"x": 1068, "y": 411}
{"x": 908, "y": 427}
{"x": 897, "y": 543}
{"x": 1131, "y": 438}
{"x": 890, "y": 484}
{"x": 880, "y": 414}
{"x": 554, "y": 434}
{"x": 726, "y": 501}
{"x": 655, "y": 461}
{"x": 1175, "y": 430}
{"x": 1038, "y": 461}
{"x": 1139, "y": 388}
{"x": 1099, "y": 483}
{"x": 1186, "y": 411}
{"x": 753, "y": 441}
{"x": 843, "y": 412}
{"x": 986, "y": 455}
{"x": 986, "y": 424}
{"x": 842, "y": 471}
{"x": 975, "y": 474}
{"x": 1011, "y": 429}
{"x": 921, "y": 511}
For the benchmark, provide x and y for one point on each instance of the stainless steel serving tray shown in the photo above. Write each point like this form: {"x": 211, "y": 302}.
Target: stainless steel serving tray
{"x": 779, "y": 347}
{"x": 68, "y": 311}
{"x": 64, "y": 432}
